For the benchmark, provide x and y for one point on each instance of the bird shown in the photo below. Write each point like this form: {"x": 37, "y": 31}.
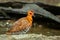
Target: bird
{"x": 22, "y": 25}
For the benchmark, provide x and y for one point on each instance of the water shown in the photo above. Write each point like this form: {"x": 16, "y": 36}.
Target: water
{"x": 36, "y": 28}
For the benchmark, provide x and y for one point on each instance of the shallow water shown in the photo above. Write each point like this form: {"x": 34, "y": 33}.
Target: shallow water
{"x": 45, "y": 31}
{"x": 36, "y": 28}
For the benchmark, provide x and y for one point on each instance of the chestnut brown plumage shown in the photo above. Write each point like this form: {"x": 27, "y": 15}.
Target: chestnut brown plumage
{"x": 22, "y": 25}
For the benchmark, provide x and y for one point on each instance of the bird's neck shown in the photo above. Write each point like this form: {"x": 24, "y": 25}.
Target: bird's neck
{"x": 29, "y": 18}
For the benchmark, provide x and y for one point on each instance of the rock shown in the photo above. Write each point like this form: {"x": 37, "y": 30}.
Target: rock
{"x": 29, "y": 37}
{"x": 49, "y": 2}
{"x": 38, "y": 10}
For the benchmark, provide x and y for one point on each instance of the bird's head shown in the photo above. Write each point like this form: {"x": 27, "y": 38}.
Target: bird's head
{"x": 30, "y": 13}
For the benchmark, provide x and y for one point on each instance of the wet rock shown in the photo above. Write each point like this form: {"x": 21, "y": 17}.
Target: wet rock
{"x": 29, "y": 37}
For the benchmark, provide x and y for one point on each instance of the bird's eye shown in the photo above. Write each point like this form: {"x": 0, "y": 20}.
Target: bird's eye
{"x": 31, "y": 13}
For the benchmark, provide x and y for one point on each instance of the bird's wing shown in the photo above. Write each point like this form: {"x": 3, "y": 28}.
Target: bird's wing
{"x": 20, "y": 25}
